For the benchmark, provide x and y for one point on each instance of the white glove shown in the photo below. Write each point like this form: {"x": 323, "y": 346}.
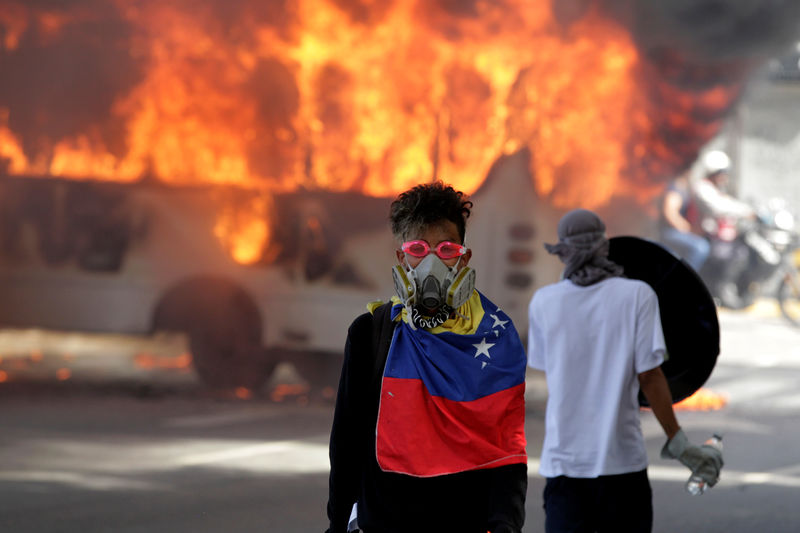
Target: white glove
{"x": 705, "y": 461}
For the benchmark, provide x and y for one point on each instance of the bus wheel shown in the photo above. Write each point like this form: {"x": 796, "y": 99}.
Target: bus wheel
{"x": 224, "y": 328}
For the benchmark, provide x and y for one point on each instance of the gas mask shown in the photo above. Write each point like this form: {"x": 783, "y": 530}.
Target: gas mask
{"x": 432, "y": 288}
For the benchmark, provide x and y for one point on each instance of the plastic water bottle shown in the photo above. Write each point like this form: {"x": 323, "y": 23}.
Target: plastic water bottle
{"x": 696, "y": 484}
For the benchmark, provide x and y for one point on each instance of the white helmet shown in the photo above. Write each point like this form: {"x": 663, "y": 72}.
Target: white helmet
{"x": 716, "y": 161}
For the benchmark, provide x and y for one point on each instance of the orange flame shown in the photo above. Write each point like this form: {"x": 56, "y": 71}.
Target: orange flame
{"x": 243, "y": 228}
{"x": 9, "y": 147}
{"x": 243, "y": 393}
{"x": 150, "y": 361}
{"x": 15, "y": 19}
{"x": 703, "y": 400}
{"x": 285, "y": 390}
{"x": 368, "y": 96}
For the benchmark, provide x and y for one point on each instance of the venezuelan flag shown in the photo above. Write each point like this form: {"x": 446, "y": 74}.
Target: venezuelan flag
{"x": 452, "y": 398}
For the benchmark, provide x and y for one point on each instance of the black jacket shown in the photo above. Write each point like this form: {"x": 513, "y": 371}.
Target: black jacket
{"x": 490, "y": 499}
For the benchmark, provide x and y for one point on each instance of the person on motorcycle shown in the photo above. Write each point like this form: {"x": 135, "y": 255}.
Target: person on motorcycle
{"x": 711, "y": 192}
{"x": 676, "y": 228}
{"x": 715, "y": 205}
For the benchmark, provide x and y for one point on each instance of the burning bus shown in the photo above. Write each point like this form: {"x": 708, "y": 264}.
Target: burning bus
{"x": 141, "y": 258}
{"x": 214, "y": 167}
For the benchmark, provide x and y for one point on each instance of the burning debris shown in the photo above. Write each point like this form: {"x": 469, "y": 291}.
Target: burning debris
{"x": 703, "y": 400}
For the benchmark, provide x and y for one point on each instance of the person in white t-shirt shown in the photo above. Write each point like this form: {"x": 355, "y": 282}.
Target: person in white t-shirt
{"x": 597, "y": 336}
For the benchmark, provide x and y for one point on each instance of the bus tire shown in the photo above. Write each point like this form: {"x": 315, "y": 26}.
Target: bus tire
{"x": 224, "y": 328}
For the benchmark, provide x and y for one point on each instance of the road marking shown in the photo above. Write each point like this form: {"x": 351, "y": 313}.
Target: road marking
{"x": 292, "y": 456}
{"x": 750, "y": 389}
{"x": 83, "y": 480}
{"x": 220, "y": 419}
{"x": 698, "y": 423}
{"x": 728, "y": 480}
{"x": 241, "y": 452}
{"x": 733, "y": 478}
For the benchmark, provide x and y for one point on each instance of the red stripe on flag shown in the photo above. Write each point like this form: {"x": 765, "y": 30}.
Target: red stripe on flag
{"x": 424, "y": 435}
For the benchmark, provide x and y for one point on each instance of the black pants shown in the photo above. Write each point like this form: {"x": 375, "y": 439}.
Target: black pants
{"x": 606, "y": 504}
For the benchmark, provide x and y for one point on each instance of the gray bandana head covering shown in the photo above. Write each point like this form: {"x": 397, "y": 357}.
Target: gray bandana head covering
{"x": 583, "y": 248}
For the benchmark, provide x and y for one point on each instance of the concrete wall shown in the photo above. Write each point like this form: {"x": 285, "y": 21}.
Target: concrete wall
{"x": 764, "y": 138}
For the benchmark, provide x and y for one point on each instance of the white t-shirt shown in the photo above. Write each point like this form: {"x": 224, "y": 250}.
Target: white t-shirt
{"x": 592, "y": 342}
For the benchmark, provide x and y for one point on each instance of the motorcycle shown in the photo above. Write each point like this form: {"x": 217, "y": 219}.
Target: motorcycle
{"x": 755, "y": 257}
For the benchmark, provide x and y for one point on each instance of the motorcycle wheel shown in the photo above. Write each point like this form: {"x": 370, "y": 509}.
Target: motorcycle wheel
{"x": 736, "y": 295}
{"x": 748, "y": 293}
{"x": 789, "y": 297}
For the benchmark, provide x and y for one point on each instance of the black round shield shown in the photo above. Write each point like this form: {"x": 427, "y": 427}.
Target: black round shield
{"x": 688, "y": 314}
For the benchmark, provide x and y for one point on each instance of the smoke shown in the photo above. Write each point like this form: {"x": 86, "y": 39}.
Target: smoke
{"x": 365, "y": 11}
{"x": 707, "y": 48}
{"x": 717, "y": 30}
{"x": 65, "y": 72}
{"x": 700, "y": 43}
{"x": 272, "y": 86}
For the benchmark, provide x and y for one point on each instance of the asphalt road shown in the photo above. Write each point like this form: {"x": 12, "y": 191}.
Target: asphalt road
{"x": 128, "y": 457}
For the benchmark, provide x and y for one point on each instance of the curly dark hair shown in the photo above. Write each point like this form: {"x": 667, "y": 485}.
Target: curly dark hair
{"x": 428, "y": 204}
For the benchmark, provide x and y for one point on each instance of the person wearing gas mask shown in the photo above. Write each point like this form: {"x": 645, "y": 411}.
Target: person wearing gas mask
{"x": 597, "y": 336}
{"x": 428, "y": 431}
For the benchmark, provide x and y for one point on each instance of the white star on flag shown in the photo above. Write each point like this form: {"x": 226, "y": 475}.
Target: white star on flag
{"x": 498, "y": 322}
{"x": 483, "y": 348}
